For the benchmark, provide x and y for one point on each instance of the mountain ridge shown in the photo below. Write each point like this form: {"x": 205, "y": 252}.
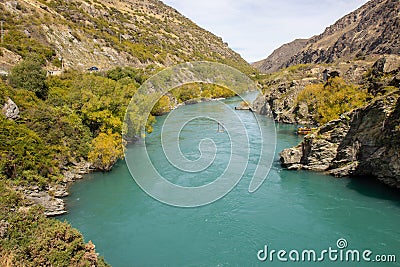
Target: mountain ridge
{"x": 372, "y": 29}
{"x": 280, "y": 55}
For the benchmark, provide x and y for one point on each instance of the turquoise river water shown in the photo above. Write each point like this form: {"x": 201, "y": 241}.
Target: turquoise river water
{"x": 292, "y": 211}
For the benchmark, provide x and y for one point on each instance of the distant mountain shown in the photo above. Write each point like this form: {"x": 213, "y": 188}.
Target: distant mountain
{"x": 280, "y": 56}
{"x": 107, "y": 33}
{"x": 374, "y": 28}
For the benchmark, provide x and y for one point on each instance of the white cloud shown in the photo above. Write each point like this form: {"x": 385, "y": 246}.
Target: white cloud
{"x": 254, "y": 28}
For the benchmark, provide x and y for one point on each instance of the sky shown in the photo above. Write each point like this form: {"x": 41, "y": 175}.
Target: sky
{"x": 255, "y": 28}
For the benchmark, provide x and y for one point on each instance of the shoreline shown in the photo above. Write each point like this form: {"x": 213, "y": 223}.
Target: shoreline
{"x": 52, "y": 198}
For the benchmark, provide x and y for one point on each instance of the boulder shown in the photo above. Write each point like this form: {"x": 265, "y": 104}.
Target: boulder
{"x": 10, "y": 110}
{"x": 291, "y": 158}
{"x": 386, "y": 64}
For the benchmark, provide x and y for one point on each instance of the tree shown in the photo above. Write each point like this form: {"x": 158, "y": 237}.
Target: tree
{"x": 29, "y": 75}
{"x": 328, "y": 101}
{"x": 106, "y": 150}
{"x": 162, "y": 106}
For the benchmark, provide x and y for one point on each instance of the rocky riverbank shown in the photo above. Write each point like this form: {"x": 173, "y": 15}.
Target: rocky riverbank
{"x": 365, "y": 142}
{"x": 52, "y": 197}
{"x": 362, "y": 142}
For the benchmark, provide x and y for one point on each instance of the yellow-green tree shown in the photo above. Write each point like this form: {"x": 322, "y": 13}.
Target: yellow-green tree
{"x": 106, "y": 150}
{"x": 328, "y": 101}
{"x": 187, "y": 92}
{"x": 162, "y": 106}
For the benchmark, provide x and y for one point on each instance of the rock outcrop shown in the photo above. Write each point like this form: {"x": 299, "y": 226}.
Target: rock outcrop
{"x": 280, "y": 102}
{"x": 365, "y": 142}
{"x": 51, "y": 198}
{"x": 77, "y": 171}
{"x": 282, "y": 88}
{"x": 8, "y": 59}
{"x": 10, "y": 110}
{"x": 373, "y": 29}
{"x": 53, "y": 205}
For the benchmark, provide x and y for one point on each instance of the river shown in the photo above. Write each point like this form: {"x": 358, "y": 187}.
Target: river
{"x": 291, "y": 211}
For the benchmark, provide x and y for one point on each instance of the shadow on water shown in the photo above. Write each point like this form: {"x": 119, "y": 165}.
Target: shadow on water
{"x": 370, "y": 187}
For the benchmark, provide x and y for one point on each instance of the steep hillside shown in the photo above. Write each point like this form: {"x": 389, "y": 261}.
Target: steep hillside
{"x": 374, "y": 28}
{"x": 106, "y": 34}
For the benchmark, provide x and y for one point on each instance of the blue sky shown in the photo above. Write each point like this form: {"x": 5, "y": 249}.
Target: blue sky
{"x": 254, "y": 28}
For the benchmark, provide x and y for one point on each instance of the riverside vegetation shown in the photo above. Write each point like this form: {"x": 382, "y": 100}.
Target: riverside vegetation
{"x": 62, "y": 120}
{"x": 53, "y": 124}
{"x": 54, "y": 129}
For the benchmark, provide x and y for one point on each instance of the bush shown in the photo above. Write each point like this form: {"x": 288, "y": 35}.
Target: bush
{"x": 106, "y": 150}
{"x": 328, "y": 101}
{"x": 31, "y": 239}
{"x": 24, "y": 156}
{"x": 29, "y": 75}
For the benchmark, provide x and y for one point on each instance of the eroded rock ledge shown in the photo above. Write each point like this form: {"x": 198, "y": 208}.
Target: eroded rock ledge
{"x": 364, "y": 142}
{"x": 51, "y": 198}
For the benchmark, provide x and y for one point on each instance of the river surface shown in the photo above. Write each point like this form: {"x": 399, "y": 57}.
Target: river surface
{"x": 291, "y": 211}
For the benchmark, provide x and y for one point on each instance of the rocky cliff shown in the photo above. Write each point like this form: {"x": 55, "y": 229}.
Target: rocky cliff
{"x": 372, "y": 29}
{"x": 364, "y": 142}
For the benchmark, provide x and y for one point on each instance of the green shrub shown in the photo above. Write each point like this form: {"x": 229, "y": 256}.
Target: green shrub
{"x": 29, "y": 75}
{"x": 31, "y": 239}
{"x": 328, "y": 101}
{"x": 24, "y": 156}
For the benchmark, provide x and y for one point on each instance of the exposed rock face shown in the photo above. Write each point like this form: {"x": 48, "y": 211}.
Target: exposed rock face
{"x": 282, "y": 89}
{"x": 48, "y": 199}
{"x": 10, "y": 110}
{"x": 365, "y": 142}
{"x": 280, "y": 56}
{"x": 52, "y": 198}
{"x": 7, "y": 60}
{"x": 280, "y": 102}
{"x": 53, "y": 206}
{"x": 387, "y": 64}
{"x": 374, "y": 28}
